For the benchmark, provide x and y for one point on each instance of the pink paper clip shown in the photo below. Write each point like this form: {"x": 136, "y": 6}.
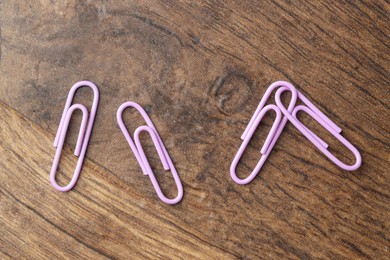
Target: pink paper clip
{"x": 274, "y": 134}
{"x": 314, "y": 112}
{"x": 84, "y": 133}
{"x": 140, "y": 154}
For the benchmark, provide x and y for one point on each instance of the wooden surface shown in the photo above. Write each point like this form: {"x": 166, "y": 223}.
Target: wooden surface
{"x": 199, "y": 68}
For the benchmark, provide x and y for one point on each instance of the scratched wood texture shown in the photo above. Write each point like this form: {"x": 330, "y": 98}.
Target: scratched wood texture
{"x": 199, "y": 68}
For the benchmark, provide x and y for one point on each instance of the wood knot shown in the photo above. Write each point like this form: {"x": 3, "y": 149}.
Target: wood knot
{"x": 231, "y": 92}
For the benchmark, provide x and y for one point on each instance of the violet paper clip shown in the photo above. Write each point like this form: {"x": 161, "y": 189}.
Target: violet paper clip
{"x": 273, "y": 135}
{"x": 322, "y": 119}
{"x": 289, "y": 114}
{"x": 83, "y": 137}
{"x": 139, "y": 153}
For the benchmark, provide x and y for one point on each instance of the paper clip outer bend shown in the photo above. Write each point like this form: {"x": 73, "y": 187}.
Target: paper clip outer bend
{"x": 83, "y": 137}
{"x": 252, "y": 125}
{"x": 139, "y": 153}
{"x": 264, "y": 149}
{"x": 322, "y": 119}
{"x": 294, "y": 95}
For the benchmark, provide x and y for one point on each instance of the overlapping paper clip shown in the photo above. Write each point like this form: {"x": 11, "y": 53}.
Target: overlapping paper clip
{"x": 283, "y": 115}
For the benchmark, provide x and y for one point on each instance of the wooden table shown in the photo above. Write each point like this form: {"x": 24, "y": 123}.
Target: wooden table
{"x": 199, "y": 68}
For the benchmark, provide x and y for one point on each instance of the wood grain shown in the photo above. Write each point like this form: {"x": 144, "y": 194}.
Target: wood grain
{"x": 102, "y": 218}
{"x": 199, "y": 68}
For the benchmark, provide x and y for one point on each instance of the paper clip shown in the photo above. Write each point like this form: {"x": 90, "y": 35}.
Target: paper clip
{"x": 84, "y": 133}
{"x": 140, "y": 154}
{"x": 272, "y": 137}
{"x": 321, "y": 118}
